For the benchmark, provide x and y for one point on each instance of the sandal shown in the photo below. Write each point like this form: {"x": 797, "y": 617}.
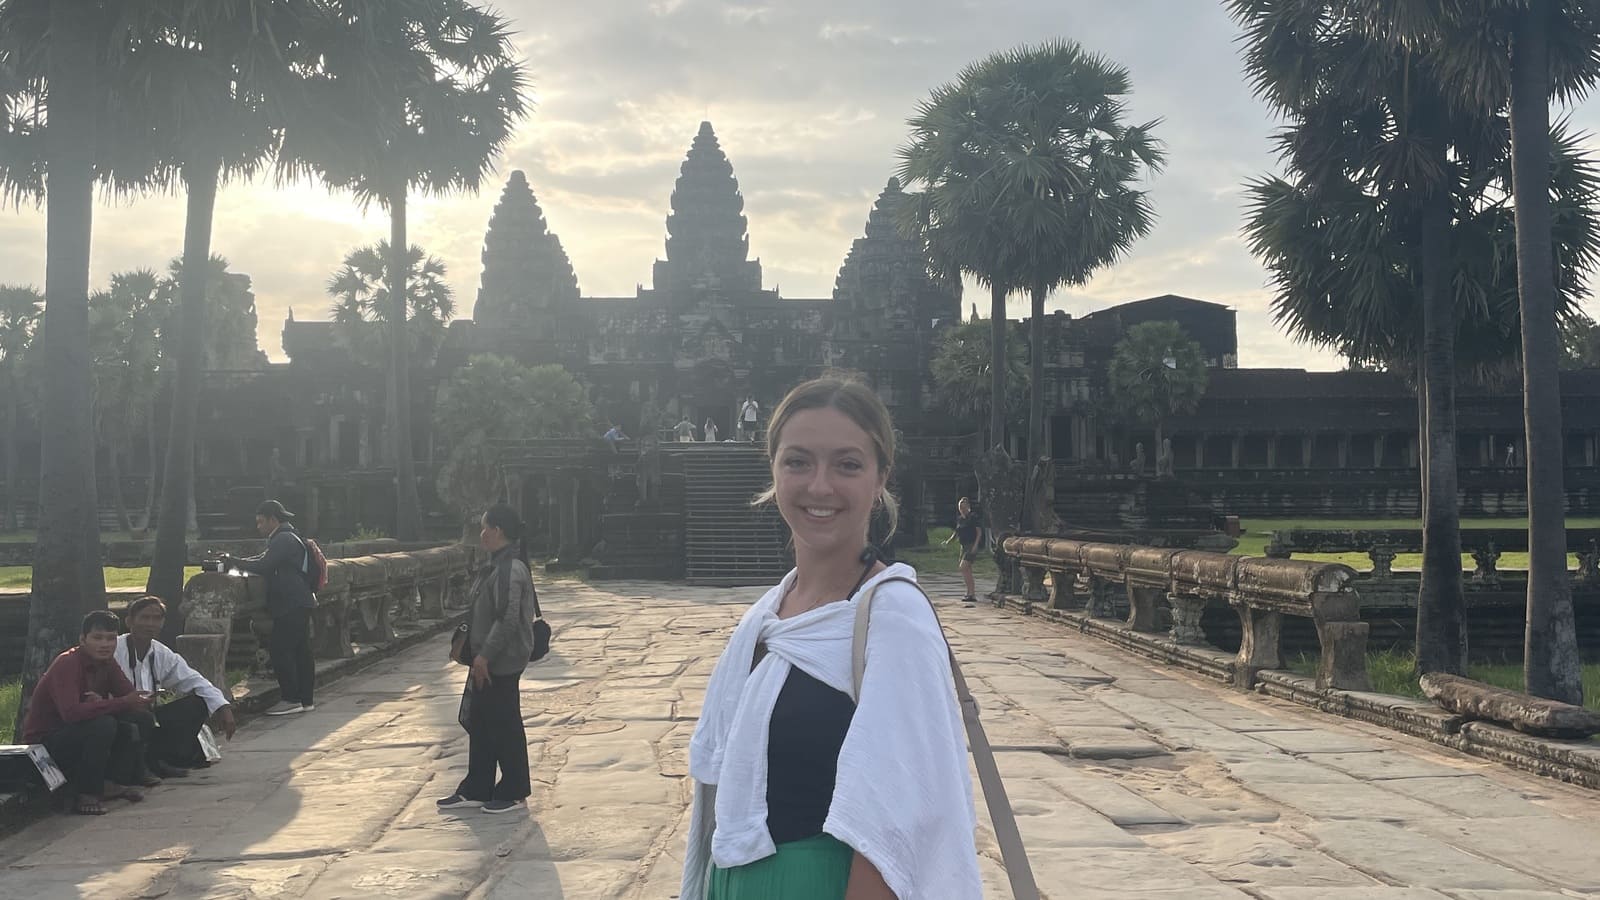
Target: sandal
{"x": 89, "y": 806}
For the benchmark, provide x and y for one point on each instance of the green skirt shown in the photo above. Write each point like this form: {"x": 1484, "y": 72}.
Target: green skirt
{"x": 817, "y": 868}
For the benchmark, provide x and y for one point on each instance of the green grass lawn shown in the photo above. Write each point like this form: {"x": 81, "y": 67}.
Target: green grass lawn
{"x": 1258, "y": 533}
{"x": 21, "y": 577}
{"x": 943, "y": 560}
{"x": 10, "y": 696}
{"x": 1394, "y": 672}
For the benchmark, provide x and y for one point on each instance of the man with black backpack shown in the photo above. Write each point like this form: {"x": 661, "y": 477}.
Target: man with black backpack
{"x": 291, "y": 571}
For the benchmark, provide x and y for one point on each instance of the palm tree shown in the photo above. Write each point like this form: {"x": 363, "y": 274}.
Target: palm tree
{"x": 52, "y": 52}
{"x": 20, "y": 309}
{"x": 1376, "y": 138}
{"x": 212, "y": 81}
{"x": 1550, "y": 660}
{"x": 958, "y": 215}
{"x": 415, "y": 94}
{"x": 1157, "y": 372}
{"x": 125, "y": 340}
{"x": 1052, "y": 129}
{"x": 361, "y": 290}
{"x": 961, "y": 367}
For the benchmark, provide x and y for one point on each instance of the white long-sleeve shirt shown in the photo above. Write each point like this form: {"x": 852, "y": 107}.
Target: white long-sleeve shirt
{"x": 164, "y": 668}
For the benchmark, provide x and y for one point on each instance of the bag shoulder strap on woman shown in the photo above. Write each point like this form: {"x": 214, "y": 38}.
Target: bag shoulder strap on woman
{"x": 1006, "y": 833}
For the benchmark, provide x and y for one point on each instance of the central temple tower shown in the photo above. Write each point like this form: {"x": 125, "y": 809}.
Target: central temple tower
{"x": 708, "y": 247}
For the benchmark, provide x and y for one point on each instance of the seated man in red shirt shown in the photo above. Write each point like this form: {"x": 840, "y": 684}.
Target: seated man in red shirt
{"x": 87, "y": 714}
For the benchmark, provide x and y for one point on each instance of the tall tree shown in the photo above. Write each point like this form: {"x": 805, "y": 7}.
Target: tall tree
{"x": 214, "y": 81}
{"x": 1051, "y": 126}
{"x": 415, "y": 95}
{"x": 961, "y": 368}
{"x": 1399, "y": 183}
{"x": 361, "y": 289}
{"x": 1580, "y": 343}
{"x": 20, "y": 309}
{"x": 125, "y": 347}
{"x": 1555, "y": 52}
{"x": 1157, "y": 371}
{"x": 53, "y": 52}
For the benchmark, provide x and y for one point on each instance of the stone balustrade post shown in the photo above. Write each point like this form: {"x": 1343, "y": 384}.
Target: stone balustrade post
{"x": 1186, "y": 614}
{"x": 1064, "y": 593}
{"x": 1144, "y": 607}
{"x": 1486, "y": 572}
{"x": 1382, "y": 562}
{"x": 1033, "y": 584}
{"x": 1260, "y": 644}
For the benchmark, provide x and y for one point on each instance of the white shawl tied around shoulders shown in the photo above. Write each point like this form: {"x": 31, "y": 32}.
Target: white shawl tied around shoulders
{"x": 902, "y": 797}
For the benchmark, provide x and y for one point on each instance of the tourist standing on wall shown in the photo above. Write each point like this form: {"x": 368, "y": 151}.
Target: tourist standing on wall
{"x": 684, "y": 430}
{"x": 708, "y": 432}
{"x": 286, "y": 567}
{"x": 803, "y": 792}
{"x": 749, "y": 417}
{"x": 968, "y": 533}
{"x": 499, "y": 640}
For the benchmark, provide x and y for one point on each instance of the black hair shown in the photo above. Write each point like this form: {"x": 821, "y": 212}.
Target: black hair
{"x": 504, "y": 517}
{"x": 100, "y": 620}
{"x": 138, "y": 605}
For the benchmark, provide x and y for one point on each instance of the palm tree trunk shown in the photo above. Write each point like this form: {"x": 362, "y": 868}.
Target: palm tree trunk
{"x": 1035, "y": 386}
{"x": 172, "y": 549}
{"x": 408, "y": 514}
{"x": 152, "y": 449}
{"x": 10, "y": 512}
{"x": 1441, "y": 607}
{"x": 67, "y": 578}
{"x": 997, "y": 366}
{"x": 1551, "y": 667}
{"x": 114, "y": 459}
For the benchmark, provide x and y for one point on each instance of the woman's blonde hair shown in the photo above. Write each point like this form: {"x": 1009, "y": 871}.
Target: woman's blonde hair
{"x": 861, "y": 405}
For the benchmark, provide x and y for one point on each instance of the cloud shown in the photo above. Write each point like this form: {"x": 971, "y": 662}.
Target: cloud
{"x": 809, "y": 101}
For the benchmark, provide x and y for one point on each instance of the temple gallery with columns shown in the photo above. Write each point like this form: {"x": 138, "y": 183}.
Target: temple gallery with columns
{"x": 708, "y": 334}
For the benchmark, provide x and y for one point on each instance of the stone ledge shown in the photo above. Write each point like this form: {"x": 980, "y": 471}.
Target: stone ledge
{"x": 1573, "y": 761}
{"x": 19, "y": 809}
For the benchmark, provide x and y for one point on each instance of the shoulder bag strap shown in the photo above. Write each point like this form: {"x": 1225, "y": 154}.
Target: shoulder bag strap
{"x": 1006, "y": 833}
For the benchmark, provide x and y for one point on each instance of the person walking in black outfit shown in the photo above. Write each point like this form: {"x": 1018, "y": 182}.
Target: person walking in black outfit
{"x": 286, "y": 565}
{"x": 499, "y": 643}
{"x": 969, "y": 529}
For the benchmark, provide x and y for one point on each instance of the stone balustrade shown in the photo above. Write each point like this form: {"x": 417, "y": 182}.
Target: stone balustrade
{"x": 365, "y": 598}
{"x": 1170, "y": 590}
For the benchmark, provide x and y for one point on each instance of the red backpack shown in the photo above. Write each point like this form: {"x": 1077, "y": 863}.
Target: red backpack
{"x": 316, "y": 568}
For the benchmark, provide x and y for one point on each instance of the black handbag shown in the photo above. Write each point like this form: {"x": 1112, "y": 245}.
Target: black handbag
{"x": 461, "y": 644}
{"x": 541, "y": 630}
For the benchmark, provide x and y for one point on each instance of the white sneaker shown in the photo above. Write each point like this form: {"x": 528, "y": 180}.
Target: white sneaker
{"x": 307, "y": 707}
{"x": 285, "y": 709}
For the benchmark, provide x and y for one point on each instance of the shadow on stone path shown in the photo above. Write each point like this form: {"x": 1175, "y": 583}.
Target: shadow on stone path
{"x": 1129, "y": 781}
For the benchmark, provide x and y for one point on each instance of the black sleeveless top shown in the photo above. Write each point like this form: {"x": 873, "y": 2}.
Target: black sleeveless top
{"x": 807, "y": 730}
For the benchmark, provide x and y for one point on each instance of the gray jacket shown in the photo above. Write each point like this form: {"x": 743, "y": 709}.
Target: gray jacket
{"x": 502, "y": 613}
{"x": 284, "y": 565}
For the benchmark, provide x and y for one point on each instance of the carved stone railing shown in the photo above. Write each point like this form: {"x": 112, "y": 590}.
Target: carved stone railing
{"x": 365, "y": 598}
{"x": 1170, "y": 589}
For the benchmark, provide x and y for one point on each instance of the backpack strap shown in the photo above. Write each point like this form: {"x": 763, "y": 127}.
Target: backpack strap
{"x": 1006, "y": 832}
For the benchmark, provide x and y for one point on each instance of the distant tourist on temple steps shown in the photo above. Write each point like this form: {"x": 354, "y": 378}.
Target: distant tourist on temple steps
{"x": 497, "y": 644}
{"x": 749, "y": 416}
{"x": 286, "y": 567}
{"x": 708, "y": 432}
{"x": 684, "y": 430}
{"x": 92, "y": 721}
{"x": 613, "y": 436}
{"x": 968, "y": 533}
{"x": 1511, "y": 455}
{"x": 803, "y": 791}
{"x": 155, "y": 668}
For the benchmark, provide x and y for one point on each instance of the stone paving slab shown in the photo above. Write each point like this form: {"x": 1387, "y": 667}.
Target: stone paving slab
{"x": 1202, "y": 792}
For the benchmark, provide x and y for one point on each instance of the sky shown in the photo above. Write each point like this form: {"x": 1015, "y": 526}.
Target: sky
{"x": 809, "y": 102}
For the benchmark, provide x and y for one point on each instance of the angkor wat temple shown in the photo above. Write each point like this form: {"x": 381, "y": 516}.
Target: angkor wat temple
{"x": 708, "y": 333}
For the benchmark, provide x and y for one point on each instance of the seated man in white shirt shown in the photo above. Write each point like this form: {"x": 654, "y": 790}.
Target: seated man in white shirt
{"x": 153, "y": 666}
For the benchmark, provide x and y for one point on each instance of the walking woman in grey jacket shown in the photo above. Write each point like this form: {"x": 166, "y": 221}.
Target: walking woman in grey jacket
{"x": 500, "y": 637}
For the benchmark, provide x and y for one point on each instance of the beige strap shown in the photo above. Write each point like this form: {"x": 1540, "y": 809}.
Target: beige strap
{"x": 994, "y": 791}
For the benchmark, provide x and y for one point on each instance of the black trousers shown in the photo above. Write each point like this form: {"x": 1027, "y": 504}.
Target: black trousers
{"x": 496, "y": 738}
{"x": 106, "y": 748}
{"x": 290, "y": 649}
{"x": 176, "y": 741}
